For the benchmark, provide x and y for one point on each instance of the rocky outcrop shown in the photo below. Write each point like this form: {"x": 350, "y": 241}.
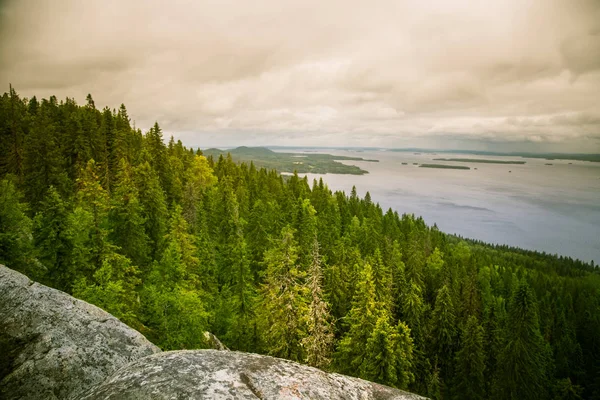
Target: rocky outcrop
{"x": 213, "y": 374}
{"x": 52, "y": 346}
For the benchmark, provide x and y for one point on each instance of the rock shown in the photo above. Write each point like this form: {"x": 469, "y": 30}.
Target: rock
{"x": 214, "y": 342}
{"x": 213, "y": 374}
{"x": 54, "y": 346}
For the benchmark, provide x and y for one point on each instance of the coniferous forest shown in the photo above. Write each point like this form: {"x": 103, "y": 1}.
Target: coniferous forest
{"x": 176, "y": 244}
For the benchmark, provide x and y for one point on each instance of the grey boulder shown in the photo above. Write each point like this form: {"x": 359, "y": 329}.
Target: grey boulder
{"x": 213, "y": 374}
{"x": 52, "y": 346}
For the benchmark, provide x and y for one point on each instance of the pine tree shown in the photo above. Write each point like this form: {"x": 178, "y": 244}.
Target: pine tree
{"x": 318, "y": 344}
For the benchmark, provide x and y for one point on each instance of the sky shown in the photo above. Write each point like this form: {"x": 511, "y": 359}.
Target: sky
{"x": 489, "y": 75}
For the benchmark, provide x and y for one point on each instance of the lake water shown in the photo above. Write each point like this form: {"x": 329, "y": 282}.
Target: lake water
{"x": 552, "y": 208}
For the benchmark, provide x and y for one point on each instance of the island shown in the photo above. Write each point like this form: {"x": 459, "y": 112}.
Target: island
{"x": 591, "y": 157}
{"x": 315, "y": 163}
{"x": 443, "y": 166}
{"x": 479, "y": 160}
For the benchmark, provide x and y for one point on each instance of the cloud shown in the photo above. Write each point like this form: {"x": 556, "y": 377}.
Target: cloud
{"x": 312, "y": 72}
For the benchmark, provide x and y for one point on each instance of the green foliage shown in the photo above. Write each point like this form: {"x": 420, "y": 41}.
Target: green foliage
{"x": 470, "y": 363}
{"x": 523, "y": 362}
{"x": 380, "y": 361}
{"x": 113, "y": 288}
{"x": 175, "y": 244}
{"x": 15, "y": 229}
{"x": 362, "y": 319}
{"x": 318, "y": 344}
{"x": 284, "y": 311}
{"x": 51, "y": 241}
{"x": 289, "y": 162}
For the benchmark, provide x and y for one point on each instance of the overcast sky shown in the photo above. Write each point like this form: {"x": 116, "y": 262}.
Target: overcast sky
{"x": 497, "y": 74}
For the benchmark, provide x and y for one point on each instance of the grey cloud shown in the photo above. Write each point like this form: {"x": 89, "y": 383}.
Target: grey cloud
{"x": 304, "y": 72}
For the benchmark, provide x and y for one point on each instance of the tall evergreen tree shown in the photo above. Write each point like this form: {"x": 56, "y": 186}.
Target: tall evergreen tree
{"x": 154, "y": 207}
{"x": 50, "y": 238}
{"x": 318, "y": 344}
{"x": 126, "y": 217}
{"x": 362, "y": 319}
{"x": 470, "y": 363}
{"x": 284, "y": 309}
{"x": 380, "y": 361}
{"x": 523, "y": 361}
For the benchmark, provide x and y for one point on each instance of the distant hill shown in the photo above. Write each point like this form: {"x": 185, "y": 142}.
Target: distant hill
{"x": 290, "y": 162}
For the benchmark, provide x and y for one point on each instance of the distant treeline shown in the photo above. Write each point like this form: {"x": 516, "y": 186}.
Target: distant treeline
{"x": 174, "y": 244}
{"x": 479, "y": 160}
{"x": 547, "y": 156}
{"x": 289, "y": 162}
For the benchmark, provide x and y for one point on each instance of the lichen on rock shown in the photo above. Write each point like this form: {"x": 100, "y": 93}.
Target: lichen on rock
{"x": 53, "y": 346}
{"x": 213, "y": 374}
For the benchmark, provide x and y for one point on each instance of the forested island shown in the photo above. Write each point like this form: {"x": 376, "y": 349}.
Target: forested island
{"x": 444, "y": 166}
{"x": 175, "y": 243}
{"x": 479, "y": 160}
{"x": 547, "y": 156}
{"x": 292, "y": 162}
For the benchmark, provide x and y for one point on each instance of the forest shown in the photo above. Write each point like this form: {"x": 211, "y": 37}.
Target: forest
{"x": 175, "y": 244}
{"x": 308, "y": 162}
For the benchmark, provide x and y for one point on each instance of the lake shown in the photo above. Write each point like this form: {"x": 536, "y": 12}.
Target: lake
{"x": 552, "y": 208}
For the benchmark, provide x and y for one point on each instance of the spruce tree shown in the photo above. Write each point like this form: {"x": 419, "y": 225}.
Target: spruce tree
{"x": 362, "y": 319}
{"x": 523, "y": 361}
{"x": 88, "y": 226}
{"x": 380, "y": 360}
{"x": 154, "y": 206}
{"x": 284, "y": 308}
{"x": 382, "y": 277}
{"x": 470, "y": 363}
{"x": 444, "y": 335}
{"x": 443, "y": 323}
{"x": 50, "y": 239}
{"x": 404, "y": 356}
{"x": 319, "y": 342}
{"x": 126, "y": 217}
